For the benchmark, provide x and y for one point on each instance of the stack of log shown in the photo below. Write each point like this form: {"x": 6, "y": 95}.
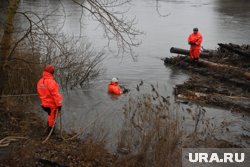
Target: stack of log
{"x": 228, "y": 66}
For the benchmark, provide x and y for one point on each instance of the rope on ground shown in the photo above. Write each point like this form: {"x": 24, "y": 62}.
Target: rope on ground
{"x": 7, "y": 140}
{"x": 19, "y": 95}
{"x": 35, "y": 94}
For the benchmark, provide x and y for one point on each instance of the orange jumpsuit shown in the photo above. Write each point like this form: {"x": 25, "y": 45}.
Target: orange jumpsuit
{"x": 49, "y": 95}
{"x": 114, "y": 88}
{"x": 196, "y": 40}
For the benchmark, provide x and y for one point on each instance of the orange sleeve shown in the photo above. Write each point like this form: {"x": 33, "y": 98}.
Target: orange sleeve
{"x": 190, "y": 38}
{"x": 199, "y": 40}
{"x": 54, "y": 90}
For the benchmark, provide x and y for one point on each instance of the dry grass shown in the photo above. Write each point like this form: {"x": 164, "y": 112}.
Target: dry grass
{"x": 154, "y": 133}
{"x": 151, "y": 135}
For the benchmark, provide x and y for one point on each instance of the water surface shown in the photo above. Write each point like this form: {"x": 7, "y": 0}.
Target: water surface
{"x": 218, "y": 20}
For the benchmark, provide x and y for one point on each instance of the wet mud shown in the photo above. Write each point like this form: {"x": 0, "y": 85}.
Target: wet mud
{"x": 21, "y": 137}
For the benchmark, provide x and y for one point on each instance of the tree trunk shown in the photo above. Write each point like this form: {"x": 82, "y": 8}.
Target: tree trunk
{"x": 6, "y": 39}
{"x": 8, "y": 29}
{"x": 186, "y": 52}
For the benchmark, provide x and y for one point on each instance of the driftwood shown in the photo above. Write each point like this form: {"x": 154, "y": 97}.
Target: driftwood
{"x": 186, "y": 52}
{"x": 242, "y": 103}
{"x": 240, "y": 50}
{"x": 221, "y": 77}
{"x": 202, "y": 62}
{"x": 239, "y": 71}
{"x": 184, "y": 61}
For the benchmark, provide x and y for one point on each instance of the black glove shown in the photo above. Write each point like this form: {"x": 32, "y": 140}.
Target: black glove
{"x": 125, "y": 90}
{"x": 46, "y": 109}
{"x": 59, "y": 108}
{"x": 191, "y": 43}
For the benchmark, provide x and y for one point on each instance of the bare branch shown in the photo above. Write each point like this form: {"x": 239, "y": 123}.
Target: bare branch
{"x": 158, "y": 11}
{"x": 116, "y": 28}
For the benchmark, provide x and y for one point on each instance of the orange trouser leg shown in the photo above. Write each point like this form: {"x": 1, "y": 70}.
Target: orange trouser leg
{"x": 191, "y": 53}
{"x": 194, "y": 53}
{"x": 52, "y": 116}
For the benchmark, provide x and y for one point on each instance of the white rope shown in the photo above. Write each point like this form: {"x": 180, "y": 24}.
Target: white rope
{"x": 52, "y": 129}
{"x": 35, "y": 94}
{"x": 19, "y": 95}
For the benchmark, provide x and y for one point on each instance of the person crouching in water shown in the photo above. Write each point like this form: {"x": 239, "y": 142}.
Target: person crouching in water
{"x": 115, "y": 88}
{"x": 51, "y": 99}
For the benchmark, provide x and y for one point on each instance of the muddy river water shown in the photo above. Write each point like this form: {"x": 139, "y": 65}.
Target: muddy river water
{"x": 218, "y": 20}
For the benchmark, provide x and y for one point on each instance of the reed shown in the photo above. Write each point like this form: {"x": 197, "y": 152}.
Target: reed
{"x": 154, "y": 132}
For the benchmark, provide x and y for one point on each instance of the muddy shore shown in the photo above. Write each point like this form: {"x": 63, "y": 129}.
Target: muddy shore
{"x": 30, "y": 151}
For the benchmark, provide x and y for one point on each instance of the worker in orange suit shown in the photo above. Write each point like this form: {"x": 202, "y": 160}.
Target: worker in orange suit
{"x": 194, "y": 40}
{"x": 51, "y": 99}
{"x": 115, "y": 88}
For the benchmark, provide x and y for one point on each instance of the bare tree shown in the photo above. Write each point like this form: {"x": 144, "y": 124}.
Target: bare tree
{"x": 6, "y": 39}
{"x": 37, "y": 45}
{"x": 114, "y": 23}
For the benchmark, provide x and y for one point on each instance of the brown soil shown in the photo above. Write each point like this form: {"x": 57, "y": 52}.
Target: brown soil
{"x": 55, "y": 152}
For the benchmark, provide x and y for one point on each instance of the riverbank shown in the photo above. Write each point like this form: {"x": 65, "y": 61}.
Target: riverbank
{"x": 160, "y": 144}
{"x": 30, "y": 151}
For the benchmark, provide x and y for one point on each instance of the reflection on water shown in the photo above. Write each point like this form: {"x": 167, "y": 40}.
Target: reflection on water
{"x": 218, "y": 21}
{"x": 239, "y": 8}
{"x": 233, "y": 17}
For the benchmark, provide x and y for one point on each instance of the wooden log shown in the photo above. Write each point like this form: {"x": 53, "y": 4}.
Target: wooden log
{"x": 235, "y": 48}
{"x": 240, "y": 71}
{"x": 215, "y": 98}
{"x": 186, "y": 52}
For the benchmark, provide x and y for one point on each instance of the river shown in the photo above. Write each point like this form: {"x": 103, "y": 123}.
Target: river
{"x": 218, "y": 20}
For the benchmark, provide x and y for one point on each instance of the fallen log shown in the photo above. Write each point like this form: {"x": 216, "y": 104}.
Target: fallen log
{"x": 236, "y": 49}
{"x": 214, "y": 98}
{"x": 202, "y": 62}
{"x": 237, "y": 70}
{"x": 186, "y": 52}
